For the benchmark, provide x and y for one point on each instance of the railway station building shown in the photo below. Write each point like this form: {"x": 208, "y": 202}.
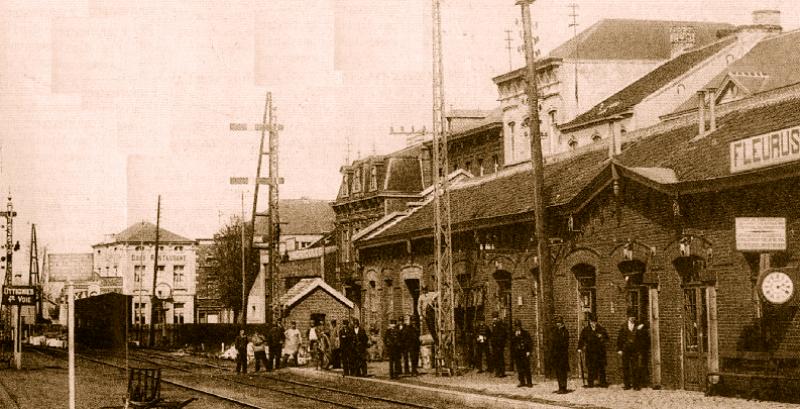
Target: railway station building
{"x": 690, "y": 223}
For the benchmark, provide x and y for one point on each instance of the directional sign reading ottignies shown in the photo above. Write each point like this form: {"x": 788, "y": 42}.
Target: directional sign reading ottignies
{"x": 19, "y": 295}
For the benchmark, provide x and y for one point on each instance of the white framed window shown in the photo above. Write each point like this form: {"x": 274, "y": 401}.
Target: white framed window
{"x": 138, "y": 273}
{"x": 177, "y": 313}
{"x": 178, "y": 276}
{"x": 357, "y": 180}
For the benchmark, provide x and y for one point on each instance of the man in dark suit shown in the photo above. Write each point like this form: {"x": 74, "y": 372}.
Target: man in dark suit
{"x": 498, "y": 336}
{"x": 275, "y": 345}
{"x": 559, "y": 353}
{"x": 391, "y": 341}
{"x": 360, "y": 345}
{"x": 592, "y": 342}
{"x": 521, "y": 347}
{"x": 346, "y": 348}
{"x": 411, "y": 344}
{"x": 482, "y": 347}
{"x": 632, "y": 342}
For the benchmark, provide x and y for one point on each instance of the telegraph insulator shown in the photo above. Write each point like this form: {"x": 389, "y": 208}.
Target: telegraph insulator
{"x": 16, "y": 246}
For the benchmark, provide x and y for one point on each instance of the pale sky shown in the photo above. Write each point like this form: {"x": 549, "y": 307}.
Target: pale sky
{"x": 105, "y": 105}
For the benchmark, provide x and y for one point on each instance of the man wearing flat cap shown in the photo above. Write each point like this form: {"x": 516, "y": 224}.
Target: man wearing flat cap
{"x": 559, "y": 353}
{"x": 592, "y": 342}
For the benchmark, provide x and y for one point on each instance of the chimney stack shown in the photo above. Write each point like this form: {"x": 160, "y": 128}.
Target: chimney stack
{"x": 681, "y": 38}
{"x": 712, "y": 109}
{"x": 701, "y": 110}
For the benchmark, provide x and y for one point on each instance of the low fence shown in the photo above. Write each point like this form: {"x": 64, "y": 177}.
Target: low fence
{"x": 199, "y": 337}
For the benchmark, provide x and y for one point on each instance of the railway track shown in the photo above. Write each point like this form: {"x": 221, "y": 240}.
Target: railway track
{"x": 189, "y": 378}
{"x": 61, "y": 355}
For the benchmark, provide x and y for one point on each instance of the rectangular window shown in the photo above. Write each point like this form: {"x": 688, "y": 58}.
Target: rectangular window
{"x": 177, "y": 313}
{"x": 177, "y": 276}
{"x": 138, "y": 274}
{"x": 495, "y": 163}
{"x": 480, "y": 167}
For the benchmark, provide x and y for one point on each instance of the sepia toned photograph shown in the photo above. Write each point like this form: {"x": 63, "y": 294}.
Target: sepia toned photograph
{"x": 400, "y": 204}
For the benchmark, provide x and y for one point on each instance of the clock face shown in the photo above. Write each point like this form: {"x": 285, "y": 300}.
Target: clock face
{"x": 777, "y": 287}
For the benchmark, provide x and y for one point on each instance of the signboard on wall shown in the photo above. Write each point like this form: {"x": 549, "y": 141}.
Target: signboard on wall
{"x": 760, "y": 233}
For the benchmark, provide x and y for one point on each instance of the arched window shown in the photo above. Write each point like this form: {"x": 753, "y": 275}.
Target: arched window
{"x": 596, "y": 137}
{"x": 573, "y": 144}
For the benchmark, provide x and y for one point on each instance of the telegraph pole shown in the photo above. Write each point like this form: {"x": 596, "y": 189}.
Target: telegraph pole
{"x": 274, "y": 217}
{"x": 152, "y": 340}
{"x": 546, "y": 307}
{"x": 269, "y": 124}
{"x": 447, "y": 362}
{"x": 574, "y": 26}
{"x": 509, "y": 48}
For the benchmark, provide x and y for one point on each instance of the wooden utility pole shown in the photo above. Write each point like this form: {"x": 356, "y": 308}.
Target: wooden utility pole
{"x": 546, "y": 307}
{"x": 152, "y": 340}
{"x": 447, "y": 362}
{"x": 271, "y": 307}
{"x": 269, "y": 124}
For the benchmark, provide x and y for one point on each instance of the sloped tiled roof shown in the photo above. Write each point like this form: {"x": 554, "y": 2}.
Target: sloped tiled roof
{"x": 709, "y": 158}
{"x": 305, "y": 286}
{"x": 477, "y": 120}
{"x": 623, "y": 39}
{"x": 634, "y": 93}
{"x": 770, "y": 65}
{"x": 301, "y": 216}
{"x": 507, "y": 193}
{"x": 146, "y": 232}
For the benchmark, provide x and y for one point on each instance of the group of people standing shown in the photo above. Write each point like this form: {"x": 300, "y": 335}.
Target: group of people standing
{"x": 349, "y": 348}
{"x": 633, "y": 342}
{"x": 632, "y": 346}
{"x": 401, "y": 343}
{"x": 268, "y": 347}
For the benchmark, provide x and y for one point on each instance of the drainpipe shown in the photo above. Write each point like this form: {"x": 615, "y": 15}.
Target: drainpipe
{"x": 701, "y": 110}
{"x": 712, "y": 109}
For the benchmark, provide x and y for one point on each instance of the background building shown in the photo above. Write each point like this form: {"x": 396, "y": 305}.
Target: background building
{"x": 130, "y": 256}
{"x": 303, "y": 225}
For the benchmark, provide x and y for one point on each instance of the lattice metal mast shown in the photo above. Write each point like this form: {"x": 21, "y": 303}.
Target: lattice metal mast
{"x": 9, "y": 215}
{"x": 446, "y": 348}
{"x": 33, "y": 278}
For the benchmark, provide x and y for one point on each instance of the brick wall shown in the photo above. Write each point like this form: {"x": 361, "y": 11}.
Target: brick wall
{"x": 317, "y": 302}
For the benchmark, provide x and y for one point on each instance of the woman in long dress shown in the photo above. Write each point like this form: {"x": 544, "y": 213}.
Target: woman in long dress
{"x": 291, "y": 344}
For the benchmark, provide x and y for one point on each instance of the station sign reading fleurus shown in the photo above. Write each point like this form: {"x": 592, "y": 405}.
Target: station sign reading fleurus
{"x": 765, "y": 150}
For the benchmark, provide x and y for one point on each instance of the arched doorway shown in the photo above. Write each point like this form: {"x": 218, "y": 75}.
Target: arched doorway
{"x": 586, "y": 275}
{"x": 411, "y": 277}
{"x": 372, "y": 301}
{"x": 504, "y": 300}
{"x": 699, "y": 329}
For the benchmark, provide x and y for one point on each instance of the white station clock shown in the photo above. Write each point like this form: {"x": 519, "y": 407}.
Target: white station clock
{"x": 777, "y": 287}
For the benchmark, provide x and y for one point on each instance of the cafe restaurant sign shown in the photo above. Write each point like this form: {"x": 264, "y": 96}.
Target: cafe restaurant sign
{"x": 765, "y": 150}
